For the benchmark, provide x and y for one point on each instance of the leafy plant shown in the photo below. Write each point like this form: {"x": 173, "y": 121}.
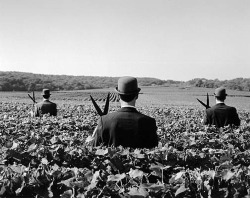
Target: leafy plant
{"x": 49, "y": 157}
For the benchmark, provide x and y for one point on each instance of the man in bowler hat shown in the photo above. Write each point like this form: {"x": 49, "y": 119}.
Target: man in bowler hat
{"x": 126, "y": 127}
{"x": 220, "y": 114}
{"x": 46, "y": 106}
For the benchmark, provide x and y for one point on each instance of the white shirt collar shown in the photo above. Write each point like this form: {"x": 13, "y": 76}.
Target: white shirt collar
{"x": 126, "y": 105}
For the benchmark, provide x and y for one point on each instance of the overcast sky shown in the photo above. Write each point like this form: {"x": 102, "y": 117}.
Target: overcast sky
{"x": 166, "y": 39}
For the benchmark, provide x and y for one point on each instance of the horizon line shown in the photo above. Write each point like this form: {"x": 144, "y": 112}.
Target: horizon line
{"x": 121, "y": 76}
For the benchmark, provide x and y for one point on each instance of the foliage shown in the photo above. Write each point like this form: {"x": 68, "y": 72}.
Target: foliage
{"x": 49, "y": 157}
{"x": 240, "y": 84}
{"x": 21, "y": 81}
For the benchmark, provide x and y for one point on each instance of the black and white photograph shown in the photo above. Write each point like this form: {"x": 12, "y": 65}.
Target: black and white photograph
{"x": 124, "y": 98}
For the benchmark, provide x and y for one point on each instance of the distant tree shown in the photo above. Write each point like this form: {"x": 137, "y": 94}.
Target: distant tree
{"x": 234, "y": 84}
{"x": 28, "y": 81}
{"x": 199, "y": 83}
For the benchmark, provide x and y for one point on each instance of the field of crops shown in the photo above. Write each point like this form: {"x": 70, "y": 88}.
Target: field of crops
{"x": 49, "y": 156}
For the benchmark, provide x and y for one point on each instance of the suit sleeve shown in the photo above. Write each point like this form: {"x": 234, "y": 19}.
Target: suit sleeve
{"x": 154, "y": 137}
{"x": 55, "y": 111}
{"x": 236, "y": 120}
{"x": 150, "y": 139}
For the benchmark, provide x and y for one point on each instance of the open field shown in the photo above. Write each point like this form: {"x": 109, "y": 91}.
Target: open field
{"x": 150, "y": 96}
{"x": 187, "y": 96}
{"x": 48, "y": 157}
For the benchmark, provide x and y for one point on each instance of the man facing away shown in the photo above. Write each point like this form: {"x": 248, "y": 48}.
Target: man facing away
{"x": 220, "y": 114}
{"x": 126, "y": 127}
{"x": 45, "y": 107}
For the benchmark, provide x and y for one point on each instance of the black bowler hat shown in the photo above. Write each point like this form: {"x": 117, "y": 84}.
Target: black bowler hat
{"x": 46, "y": 92}
{"x": 127, "y": 85}
{"x": 220, "y": 92}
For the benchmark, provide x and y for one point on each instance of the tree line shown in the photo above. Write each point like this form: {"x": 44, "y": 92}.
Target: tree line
{"x": 240, "y": 84}
{"x": 23, "y": 81}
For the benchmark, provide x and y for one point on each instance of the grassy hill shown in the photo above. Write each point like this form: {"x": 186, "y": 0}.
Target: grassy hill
{"x": 22, "y": 81}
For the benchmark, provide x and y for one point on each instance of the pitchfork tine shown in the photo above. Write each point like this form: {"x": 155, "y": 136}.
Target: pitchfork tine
{"x": 208, "y": 101}
{"x": 99, "y": 111}
{"x": 202, "y": 102}
{"x": 106, "y": 108}
{"x": 34, "y": 96}
{"x": 31, "y": 98}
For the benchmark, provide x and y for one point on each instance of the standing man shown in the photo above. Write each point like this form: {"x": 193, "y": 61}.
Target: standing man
{"x": 220, "y": 114}
{"x": 45, "y": 107}
{"x": 126, "y": 127}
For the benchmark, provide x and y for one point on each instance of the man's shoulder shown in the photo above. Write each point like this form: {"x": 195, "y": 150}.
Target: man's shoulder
{"x": 220, "y": 107}
{"x": 45, "y": 103}
{"x": 231, "y": 108}
{"x": 39, "y": 104}
{"x": 211, "y": 109}
{"x": 133, "y": 114}
{"x": 53, "y": 103}
{"x": 228, "y": 107}
{"x": 49, "y": 102}
{"x": 111, "y": 115}
{"x": 146, "y": 117}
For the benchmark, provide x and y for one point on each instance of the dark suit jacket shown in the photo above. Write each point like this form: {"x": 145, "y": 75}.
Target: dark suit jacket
{"x": 128, "y": 128}
{"x": 221, "y": 115}
{"x": 45, "y": 107}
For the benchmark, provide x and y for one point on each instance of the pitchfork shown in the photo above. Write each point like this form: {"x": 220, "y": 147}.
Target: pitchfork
{"x": 33, "y": 97}
{"x": 106, "y": 107}
{"x": 205, "y": 105}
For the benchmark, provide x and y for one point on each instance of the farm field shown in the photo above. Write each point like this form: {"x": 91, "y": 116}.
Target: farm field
{"x": 49, "y": 156}
{"x": 150, "y": 96}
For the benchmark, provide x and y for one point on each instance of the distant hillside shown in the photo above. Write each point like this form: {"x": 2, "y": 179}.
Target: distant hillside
{"x": 22, "y": 81}
{"x": 240, "y": 84}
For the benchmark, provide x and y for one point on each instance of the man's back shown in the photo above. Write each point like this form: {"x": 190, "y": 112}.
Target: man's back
{"x": 128, "y": 128}
{"x": 221, "y": 115}
{"x": 45, "y": 107}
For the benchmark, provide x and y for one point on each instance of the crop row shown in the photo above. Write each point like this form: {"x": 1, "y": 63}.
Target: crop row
{"x": 49, "y": 156}
{"x": 102, "y": 96}
{"x": 85, "y": 96}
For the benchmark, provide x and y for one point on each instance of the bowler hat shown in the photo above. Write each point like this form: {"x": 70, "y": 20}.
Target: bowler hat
{"x": 220, "y": 92}
{"x": 46, "y": 92}
{"x": 127, "y": 85}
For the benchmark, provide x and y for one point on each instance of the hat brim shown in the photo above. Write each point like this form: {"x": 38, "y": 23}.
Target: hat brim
{"x": 220, "y": 95}
{"x": 130, "y": 93}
